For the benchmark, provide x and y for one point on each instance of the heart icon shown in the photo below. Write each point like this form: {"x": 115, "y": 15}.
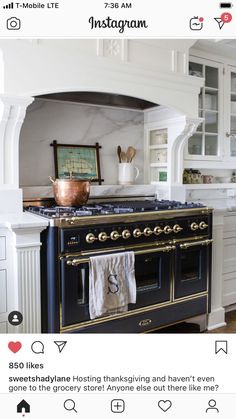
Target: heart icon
{"x": 164, "y": 405}
{"x": 14, "y": 346}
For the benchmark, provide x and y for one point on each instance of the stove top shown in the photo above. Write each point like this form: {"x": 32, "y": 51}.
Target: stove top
{"x": 111, "y": 208}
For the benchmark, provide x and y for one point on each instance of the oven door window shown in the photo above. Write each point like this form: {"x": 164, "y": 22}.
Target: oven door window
{"x": 74, "y": 293}
{"x": 191, "y": 271}
{"x": 152, "y": 273}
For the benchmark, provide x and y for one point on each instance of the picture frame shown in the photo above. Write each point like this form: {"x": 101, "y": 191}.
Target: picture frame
{"x": 80, "y": 162}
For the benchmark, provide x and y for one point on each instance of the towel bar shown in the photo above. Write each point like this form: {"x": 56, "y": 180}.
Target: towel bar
{"x": 76, "y": 262}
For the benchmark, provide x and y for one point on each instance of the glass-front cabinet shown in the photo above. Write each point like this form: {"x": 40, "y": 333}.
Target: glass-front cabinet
{"x": 205, "y": 143}
{"x": 231, "y": 123}
{"x": 156, "y": 149}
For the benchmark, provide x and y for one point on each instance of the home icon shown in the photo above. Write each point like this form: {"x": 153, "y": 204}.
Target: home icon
{"x": 23, "y": 407}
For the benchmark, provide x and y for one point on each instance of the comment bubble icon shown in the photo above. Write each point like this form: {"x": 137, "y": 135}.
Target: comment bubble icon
{"x": 37, "y": 347}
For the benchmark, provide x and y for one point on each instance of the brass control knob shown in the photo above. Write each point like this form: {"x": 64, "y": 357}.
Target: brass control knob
{"x": 114, "y": 235}
{"x": 194, "y": 226}
{"x": 158, "y": 230}
{"x": 147, "y": 232}
{"x": 167, "y": 230}
{"x": 126, "y": 234}
{"x": 102, "y": 237}
{"x": 177, "y": 228}
{"x": 90, "y": 238}
{"x": 137, "y": 233}
{"x": 203, "y": 225}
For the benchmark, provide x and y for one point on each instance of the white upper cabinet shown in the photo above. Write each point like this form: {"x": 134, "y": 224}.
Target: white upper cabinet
{"x": 231, "y": 112}
{"x": 214, "y": 142}
{"x": 205, "y": 144}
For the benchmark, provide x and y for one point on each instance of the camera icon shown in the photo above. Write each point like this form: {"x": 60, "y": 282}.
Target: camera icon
{"x": 13, "y": 24}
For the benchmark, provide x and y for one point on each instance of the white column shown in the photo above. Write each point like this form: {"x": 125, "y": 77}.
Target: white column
{"x": 217, "y": 316}
{"x": 12, "y": 115}
{"x": 26, "y": 277}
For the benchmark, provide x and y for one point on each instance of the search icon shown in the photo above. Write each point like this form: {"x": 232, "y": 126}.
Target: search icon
{"x": 69, "y": 405}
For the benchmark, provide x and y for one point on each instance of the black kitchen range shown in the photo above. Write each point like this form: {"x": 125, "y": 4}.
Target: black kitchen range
{"x": 171, "y": 243}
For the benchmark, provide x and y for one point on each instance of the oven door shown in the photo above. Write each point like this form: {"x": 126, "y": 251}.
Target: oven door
{"x": 192, "y": 268}
{"x": 153, "y": 277}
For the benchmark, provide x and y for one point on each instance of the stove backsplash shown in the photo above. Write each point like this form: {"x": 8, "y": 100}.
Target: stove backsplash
{"x": 224, "y": 199}
{"x": 77, "y": 124}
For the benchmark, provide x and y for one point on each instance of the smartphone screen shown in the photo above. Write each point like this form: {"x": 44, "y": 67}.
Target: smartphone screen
{"x": 117, "y": 209}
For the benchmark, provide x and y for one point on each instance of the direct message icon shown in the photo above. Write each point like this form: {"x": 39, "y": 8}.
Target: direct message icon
{"x": 60, "y": 344}
{"x": 164, "y": 405}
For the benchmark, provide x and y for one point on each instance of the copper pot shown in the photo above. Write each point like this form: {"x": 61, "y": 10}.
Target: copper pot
{"x": 70, "y": 192}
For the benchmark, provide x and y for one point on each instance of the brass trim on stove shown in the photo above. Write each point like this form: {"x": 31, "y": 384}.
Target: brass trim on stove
{"x": 130, "y": 313}
{"x": 129, "y": 217}
{"x": 129, "y": 247}
{"x": 197, "y": 243}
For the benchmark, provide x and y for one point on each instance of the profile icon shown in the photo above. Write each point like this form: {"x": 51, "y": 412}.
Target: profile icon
{"x": 212, "y": 406}
{"x": 15, "y": 318}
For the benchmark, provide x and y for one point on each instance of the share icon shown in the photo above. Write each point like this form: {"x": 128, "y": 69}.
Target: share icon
{"x": 60, "y": 344}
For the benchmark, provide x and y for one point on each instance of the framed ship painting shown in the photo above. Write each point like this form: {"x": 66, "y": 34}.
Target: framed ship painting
{"x": 77, "y": 161}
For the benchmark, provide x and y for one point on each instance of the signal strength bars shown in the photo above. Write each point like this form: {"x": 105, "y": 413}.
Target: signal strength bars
{"x": 9, "y": 6}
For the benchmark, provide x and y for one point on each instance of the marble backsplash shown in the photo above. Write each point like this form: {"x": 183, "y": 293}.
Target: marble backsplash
{"x": 70, "y": 123}
{"x": 220, "y": 199}
{"x": 102, "y": 191}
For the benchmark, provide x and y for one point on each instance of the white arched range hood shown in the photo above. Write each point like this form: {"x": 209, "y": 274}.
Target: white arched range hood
{"x": 151, "y": 70}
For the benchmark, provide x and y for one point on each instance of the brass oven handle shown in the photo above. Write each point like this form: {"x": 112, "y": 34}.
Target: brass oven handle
{"x": 197, "y": 243}
{"x": 76, "y": 262}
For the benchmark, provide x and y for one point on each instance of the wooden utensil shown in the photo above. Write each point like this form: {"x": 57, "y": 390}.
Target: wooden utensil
{"x": 130, "y": 154}
{"x": 123, "y": 157}
{"x": 119, "y": 153}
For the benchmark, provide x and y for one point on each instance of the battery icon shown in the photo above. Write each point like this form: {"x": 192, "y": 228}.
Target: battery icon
{"x": 226, "y": 5}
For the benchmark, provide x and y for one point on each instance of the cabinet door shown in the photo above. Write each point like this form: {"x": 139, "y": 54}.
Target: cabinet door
{"x": 205, "y": 143}
{"x": 231, "y": 113}
{"x": 229, "y": 260}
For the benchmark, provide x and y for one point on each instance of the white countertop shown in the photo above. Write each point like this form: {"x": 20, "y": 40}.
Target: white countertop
{"x": 22, "y": 220}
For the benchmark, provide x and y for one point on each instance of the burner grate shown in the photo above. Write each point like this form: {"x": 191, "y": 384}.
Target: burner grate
{"x": 114, "y": 207}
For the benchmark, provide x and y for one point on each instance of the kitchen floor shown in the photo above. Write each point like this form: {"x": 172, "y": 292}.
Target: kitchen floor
{"x": 230, "y": 319}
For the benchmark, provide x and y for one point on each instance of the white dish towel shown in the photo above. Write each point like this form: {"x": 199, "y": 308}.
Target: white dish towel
{"x": 112, "y": 284}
